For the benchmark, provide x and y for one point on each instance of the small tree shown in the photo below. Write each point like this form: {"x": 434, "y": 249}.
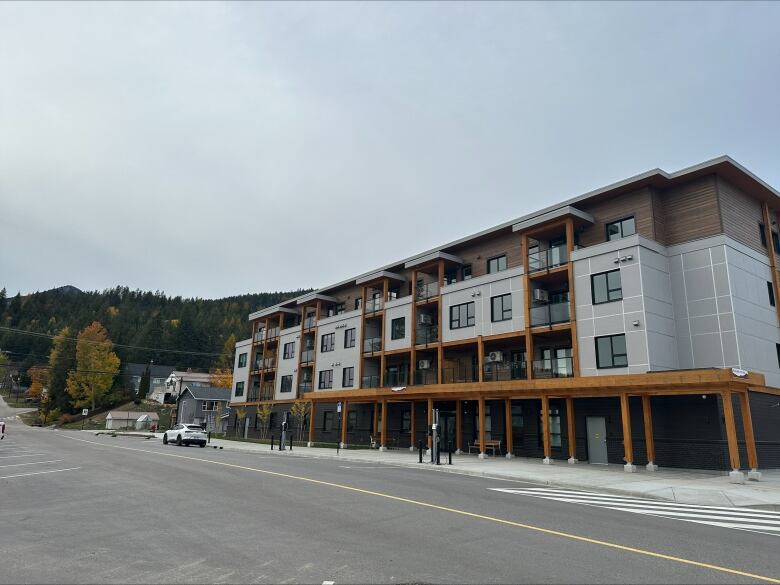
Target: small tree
{"x": 263, "y": 414}
{"x": 96, "y": 367}
{"x": 240, "y": 416}
{"x": 221, "y": 378}
{"x": 299, "y": 411}
{"x": 38, "y": 379}
{"x": 144, "y": 385}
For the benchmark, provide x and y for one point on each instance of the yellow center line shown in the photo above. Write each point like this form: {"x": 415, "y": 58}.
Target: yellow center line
{"x": 531, "y": 527}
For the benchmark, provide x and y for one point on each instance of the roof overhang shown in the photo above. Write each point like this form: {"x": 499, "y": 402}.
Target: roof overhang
{"x": 431, "y": 257}
{"x": 315, "y": 296}
{"x": 559, "y": 213}
{"x": 270, "y": 311}
{"x": 380, "y": 274}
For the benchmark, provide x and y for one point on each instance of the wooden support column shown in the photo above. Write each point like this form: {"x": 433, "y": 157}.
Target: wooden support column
{"x": 731, "y": 430}
{"x": 382, "y": 335}
{"x": 384, "y": 424}
{"x": 575, "y": 351}
{"x": 546, "y": 429}
{"x": 482, "y": 454}
{"x": 361, "y": 360}
{"x": 430, "y": 420}
{"x": 628, "y": 442}
{"x": 647, "y": 415}
{"x": 571, "y": 430}
{"x": 529, "y": 345}
{"x": 747, "y": 426}
{"x": 345, "y": 417}
{"x": 508, "y": 426}
{"x": 458, "y": 426}
{"x": 312, "y": 415}
{"x": 439, "y": 319}
{"x": 480, "y": 358}
{"x": 770, "y": 250}
{"x": 412, "y": 429}
{"x": 413, "y": 324}
{"x": 439, "y": 361}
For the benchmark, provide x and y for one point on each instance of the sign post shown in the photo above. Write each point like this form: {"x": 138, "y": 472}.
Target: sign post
{"x": 84, "y": 413}
{"x": 338, "y": 430}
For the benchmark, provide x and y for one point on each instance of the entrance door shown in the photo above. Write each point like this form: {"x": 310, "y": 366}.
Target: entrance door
{"x": 597, "y": 440}
{"x": 447, "y": 423}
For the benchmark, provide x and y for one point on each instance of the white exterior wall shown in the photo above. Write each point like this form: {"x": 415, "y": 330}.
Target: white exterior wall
{"x": 241, "y": 374}
{"x": 480, "y": 290}
{"x": 393, "y": 310}
{"x": 340, "y": 357}
{"x": 287, "y": 367}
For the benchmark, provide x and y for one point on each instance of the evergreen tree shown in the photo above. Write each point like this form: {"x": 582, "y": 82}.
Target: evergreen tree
{"x": 61, "y": 359}
{"x": 144, "y": 386}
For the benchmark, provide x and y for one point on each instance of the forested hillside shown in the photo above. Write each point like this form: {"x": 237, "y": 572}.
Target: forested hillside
{"x": 137, "y": 318}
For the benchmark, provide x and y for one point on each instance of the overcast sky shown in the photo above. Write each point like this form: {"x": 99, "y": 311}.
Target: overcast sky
{"x": 217, "y": 149}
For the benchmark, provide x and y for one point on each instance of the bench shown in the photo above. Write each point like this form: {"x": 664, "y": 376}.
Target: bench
{"x": 493, "y": 444}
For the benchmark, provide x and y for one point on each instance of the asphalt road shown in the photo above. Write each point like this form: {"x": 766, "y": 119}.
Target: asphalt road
{"x": 76, "y": 508}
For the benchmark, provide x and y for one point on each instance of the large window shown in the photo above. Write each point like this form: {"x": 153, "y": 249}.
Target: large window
{"x": 242, "y": 360}
{"x": 501, "y": 308}
{"x": 496, "y": 264}
{"x": 239, "y": 389}
{"x": 555, "y": 428}
{"x": 327, "y": 420}
{"x": 326, "y": 379}
{"x": 462, "y": 315}
{"x": 348, "y": 377}
{"x": 398, "y": 328}
{"x": 352, "y": 420}
{"x": 328, "y": 342}
{"x": 349, "y": 338}
{"x": 611, "y": 351}
{"x": 289, "y": 350}
{"x": 621, "y": 228}
{"x": 606, "y": 287}
{"x": 286, "y": 384}
{"x": 465, "y": 272}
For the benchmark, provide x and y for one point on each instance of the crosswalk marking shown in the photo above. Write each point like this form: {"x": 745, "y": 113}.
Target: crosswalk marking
{"x": 763, "y": 521}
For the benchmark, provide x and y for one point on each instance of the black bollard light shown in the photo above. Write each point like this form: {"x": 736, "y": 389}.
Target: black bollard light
{"x": 419, "y": 449}
{"x": 449, "y": 454}
{"x": 290, "y": 441}
{"x": 272, "y": 442}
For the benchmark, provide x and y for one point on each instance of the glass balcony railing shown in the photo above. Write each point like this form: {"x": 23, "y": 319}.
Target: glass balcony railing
{"x": 554, "y": 368}
{"x": 309, "y": 322}
{"x": 269, "y": 362}
{"x": 370, "y": 382}
{"x": 423, "y": 377}
{"x": 426, "y": 291}
{"x": 273, "y": 333}
{"x": 305, "y": 386}
{"x": 372, "y": 345}
{"x": 374, "y": 305}
{"x": 547, "y": 259}
{"x": 427, "y": 334}
{"x": 550, "y": 314}
{"x": 267, "y": 392}
{"x": 459, "y": 374}
{"x": 260, "y": 335}
{"x": 505, "y": 371}
{"x": 397, "y": 378}
{"x": 307, "y": 356}
{"x": 254, "y": 394}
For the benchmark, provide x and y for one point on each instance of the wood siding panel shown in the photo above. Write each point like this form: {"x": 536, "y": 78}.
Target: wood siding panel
{"x": 659, "y": 219}
{"x": 741, "y": 215}
{"x": 691, "y": 211}
{"x": 477, "y": 253}
{"x": 636, "y": 203}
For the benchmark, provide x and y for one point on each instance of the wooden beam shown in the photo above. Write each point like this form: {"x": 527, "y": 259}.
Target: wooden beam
{"x": 747, "y": 426}
{"x": 546, "y": 429}
{"x": 647, "y": 415}
{"x": 570, "y": 430}
{"x": 312, "y": 414}
{"x": 731, "y": 430}
{"x": 628, "y": 443}
{"x": 529, "y": 344}
{"x": 430, "y": 420}
{"x": 384, "y": 423}
{"x": 481, "y": 426}
{"x": 508, "y": 426}
{"x": 480, "y": 359}
{"x": 413, "y": 325}
{"x": 345, "y": 416}
{"x": 361, "y": 360}
{"x": 458, "y": 425}
{"x": 770, "y": 250}
{"x": 575, "y": 351}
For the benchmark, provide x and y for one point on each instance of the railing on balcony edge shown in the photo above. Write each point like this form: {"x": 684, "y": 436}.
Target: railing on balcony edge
{"x": 307, "y": 356}
{"x": 459, "y": 375}
{"x": 426, "y": 291}
{"x": 394, "y": 379}
{"x": 309, "y": 322}
{"x": 374, "y": 305}
{"x": 305, "y": 387}
{"x": 550, "y": 314}
{"x": 427, "y": 334}
{"x": 554, "y": 368}
{"x": 370, "y": 382}
{"x": 423, "y": 377}
{"x": 273, "y": 333}
{"x": 267, "y": 393}
{"x": 372, "y": 345}
{"x": 500, "y": 372}
{"x": 547, "y": 259}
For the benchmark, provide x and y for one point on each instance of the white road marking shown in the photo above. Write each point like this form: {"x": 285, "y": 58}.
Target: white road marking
{"x": 38, "y": 473}
{"x": 25, "y": 455}
{"x": 33, "y": 463}
{"x": 328, "y": 583}
{"x": 763, "y": 521}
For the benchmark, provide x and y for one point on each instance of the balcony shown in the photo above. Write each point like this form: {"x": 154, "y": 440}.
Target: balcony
{"x": 372, "y": 345}
{"x": 304, "y": 387}
{"x": 269, "y": 363}
{"x": 374, "y": 305}
{"x": 397, "y": 378}
{"x": 370, "y": 382}
{"x": 426, "y": 291}
{"x": 307, "y": 356}
{"x": 547, "y": 259}
{"x": 273, "y": 333}
{"x": 551, "y": 314}
{"x": 267, "y": 392}
{"x": 502, "y": 372}
{"x": 309, "y": 322}
{"x": 554, "y": 368}
{"x": 423, "y": 377}
{"x": 260, "y": 336}
{"x": 459, "y": 375}
{"x": 253, "y": 395}
{"x": 427, "y": 334}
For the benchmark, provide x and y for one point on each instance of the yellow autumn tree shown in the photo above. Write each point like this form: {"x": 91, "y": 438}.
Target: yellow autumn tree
{"x": 96, "y": 367}
{"x": 38, "y": 380}
{"x": 221, "y": 375}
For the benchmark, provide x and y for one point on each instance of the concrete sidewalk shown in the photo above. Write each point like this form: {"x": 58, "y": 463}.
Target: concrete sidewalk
{"x": 710, "y": 488}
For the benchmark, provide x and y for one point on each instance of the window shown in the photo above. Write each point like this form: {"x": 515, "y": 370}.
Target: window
{"x": 328, "y": 342}
{"x": 239, "y": 389}
{"x": 358, "y": 303}
{"x": 241, "y": 361}
{"x": 349, "y": 338}
{"x": 621, "y": 228}
{"x": 450, "y": 277}
{"x": 466, "y": 272}
{"x": 771, "y": 292}
{"x": 339, "y": 309}
{"x": 496, "y": 264}
{"x": 611, "y": 351}
{"x": 286, "y": 384}
{"x": 606, "y": 287}
{"x": 501, "y": 308}
{"x": 398, "y": 328}
{"x": 462, "y": 316}
{"x": 762, "y": 233}
{"x": 393, "y": 293}
{"x": 351, "y": 420}
{"x": 327, "y": 421}
{"x": 555, "y": 428}
{"x": 406, "y": 421}
{"x": 326, "y": 379}
{"x": 776, "y": 241}
{"x": 289, "y": 350}
{"x": 348, "y": 377}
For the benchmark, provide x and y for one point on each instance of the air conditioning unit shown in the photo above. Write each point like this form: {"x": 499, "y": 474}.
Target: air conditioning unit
{"x": 424, "y": 319}
{"x": 541, "y": 295}
{"x": 495, "y": 357}
{"x": 424, "y": 365}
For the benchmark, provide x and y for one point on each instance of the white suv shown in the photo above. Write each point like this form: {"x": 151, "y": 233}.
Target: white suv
{"x": 185, "y": 435}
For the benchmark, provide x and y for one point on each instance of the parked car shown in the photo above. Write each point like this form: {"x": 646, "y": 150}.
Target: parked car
{"x": 185, "y": 435}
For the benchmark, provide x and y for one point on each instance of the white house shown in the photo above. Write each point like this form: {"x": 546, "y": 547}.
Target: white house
{"x": 174, "y": 384}
{"x": 130, "y": 420}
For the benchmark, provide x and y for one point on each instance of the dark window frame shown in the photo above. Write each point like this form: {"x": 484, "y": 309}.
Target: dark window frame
{"x": 325, "y": 380}
{"x": 239, "y": 389}
{"x": 327, "y": 420}
{"x": 504, "y": 309}
{"x": 328, "y": 342}
{"x": 286, "y": 381}
{"x": 350, "y": 378}
{"x": 771, "y": 291}
{"x": 762, "y": 233}
{"x": 612, "y": 355}
{"x": 455, "y": 323}
{"x": 242, "y": 357}
{"x": 349, "y": 338}
{"x": 606, "y": 283}
{"x": 497, "y": 259}
{"x": 619, "y": 223}
{"x": 466, "y": 272}
{"x": 288, "y": 355}
{"x": 394, "y": 328}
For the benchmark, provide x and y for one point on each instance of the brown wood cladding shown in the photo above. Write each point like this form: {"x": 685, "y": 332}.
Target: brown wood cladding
{"x": 478, "y": 253}
{"x": 637, "y": 203}
{"x": 690, "y": 211}
{"x": 741, "y": 215}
